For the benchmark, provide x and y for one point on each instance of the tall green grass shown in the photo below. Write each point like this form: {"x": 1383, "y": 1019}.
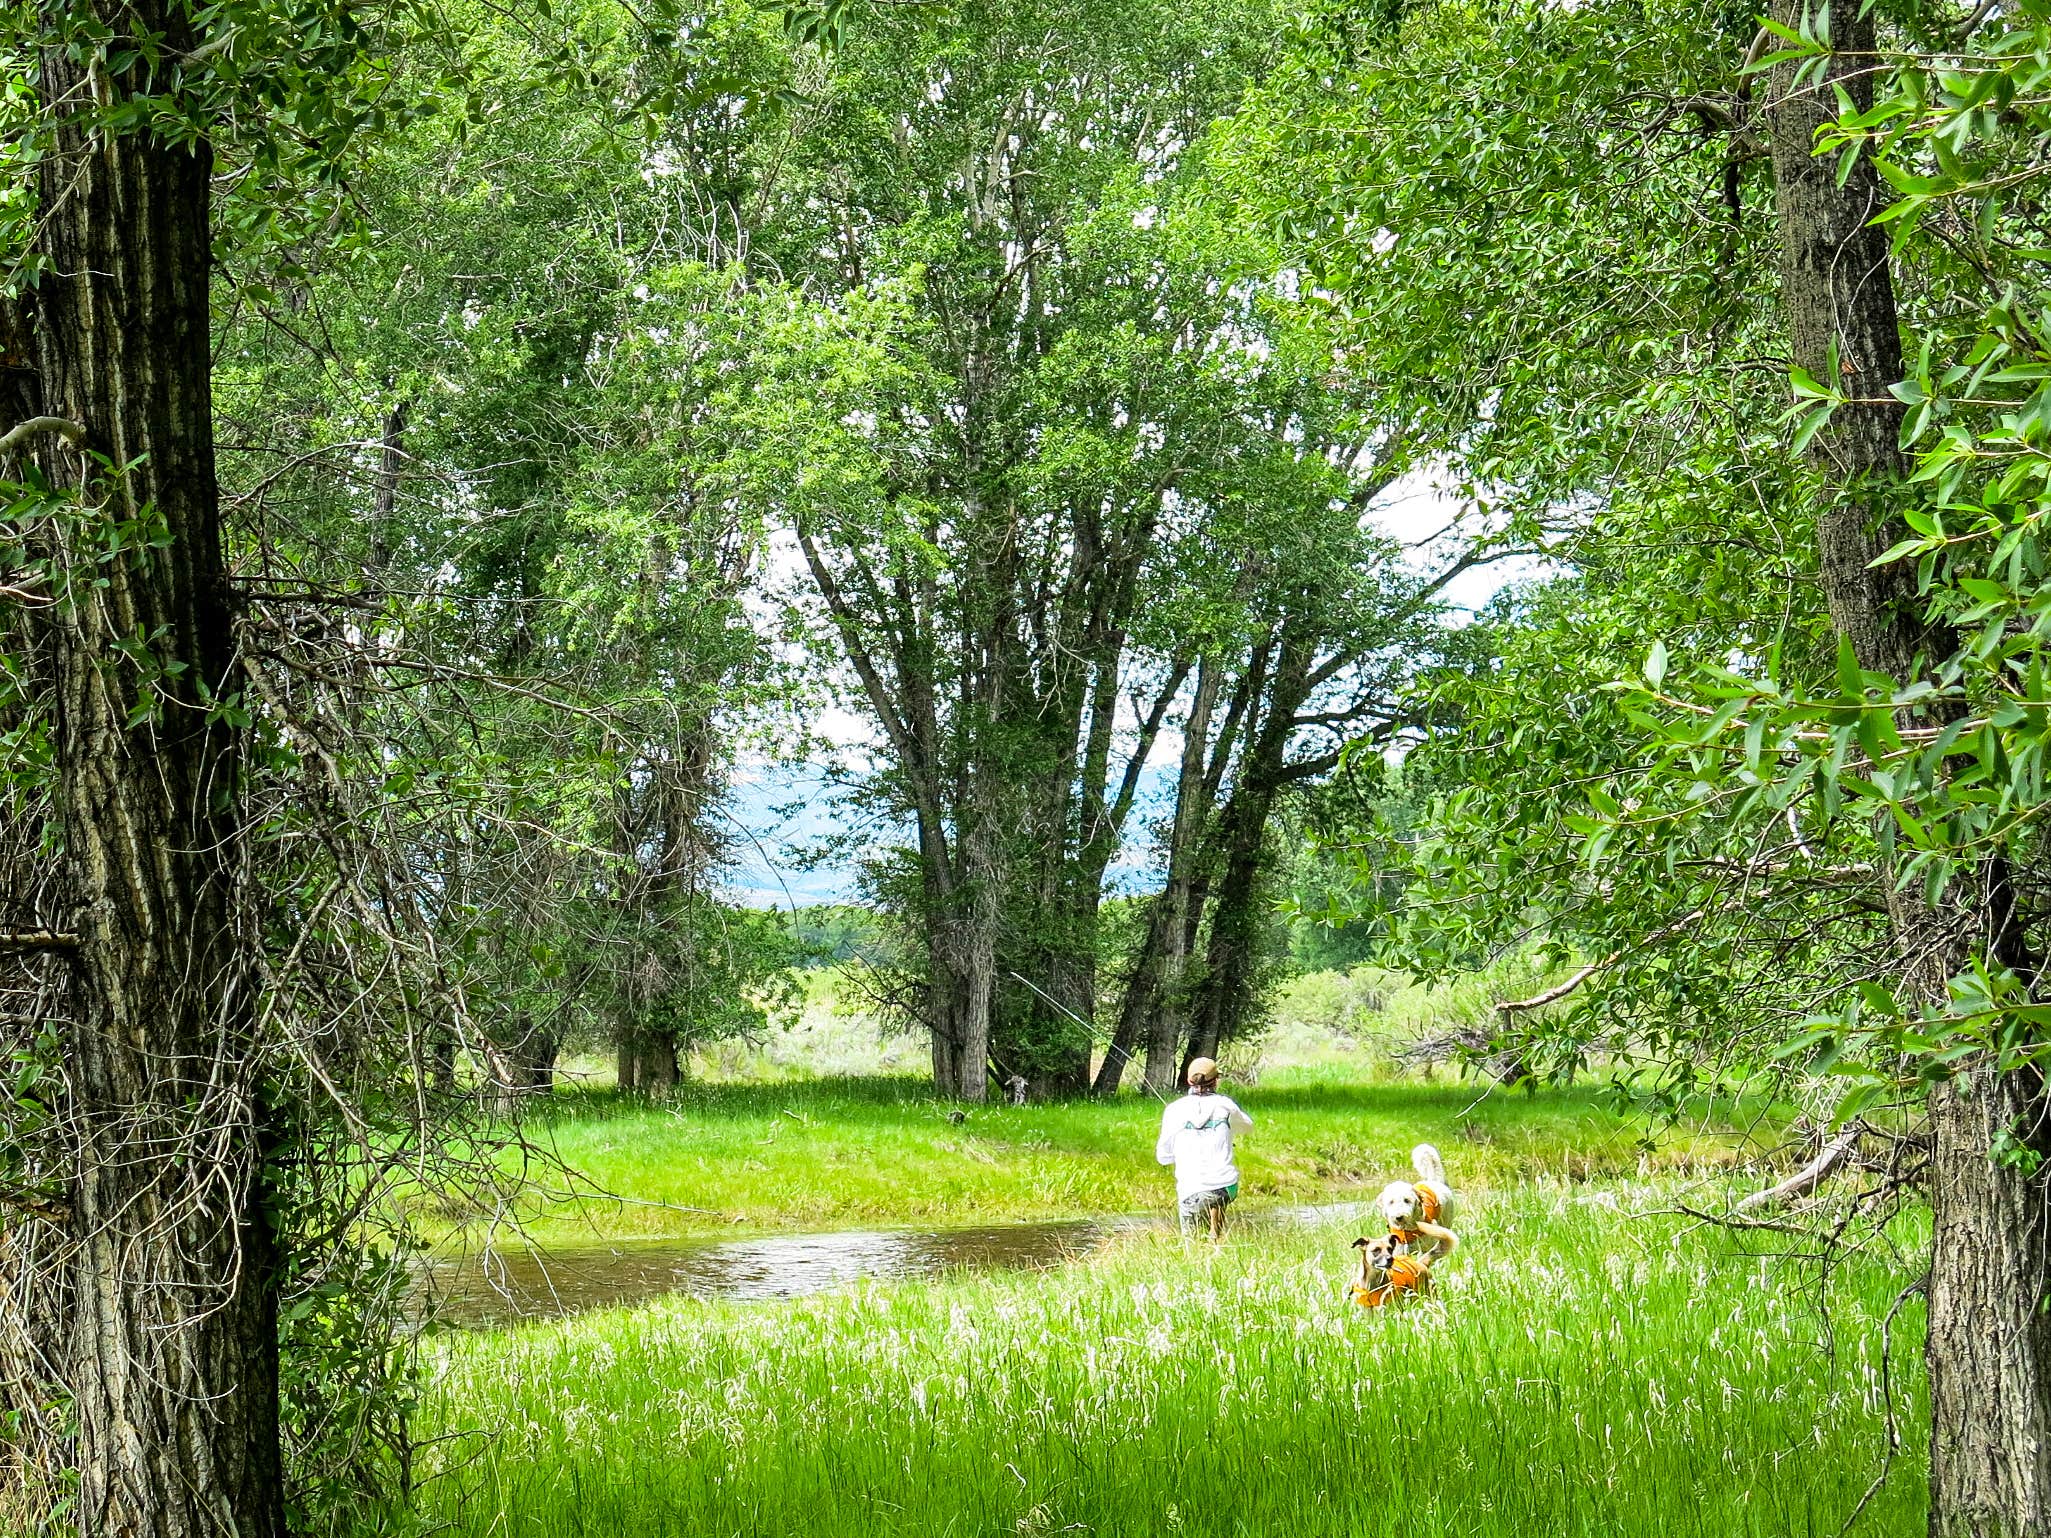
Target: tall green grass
{"x": 855, "y": 1152}
{"x": 1579, "y": 1372}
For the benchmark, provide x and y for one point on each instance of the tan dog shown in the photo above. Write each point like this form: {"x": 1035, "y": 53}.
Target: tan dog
{"x": 1416, "y": 1210}
{"x": 1387, "y": 1277}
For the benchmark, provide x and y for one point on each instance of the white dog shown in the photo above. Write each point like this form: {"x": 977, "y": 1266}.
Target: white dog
{"x": 1418, "y": 1209}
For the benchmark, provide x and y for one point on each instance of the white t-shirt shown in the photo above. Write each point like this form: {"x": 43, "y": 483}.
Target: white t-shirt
{"x": 1196, "y": 1137}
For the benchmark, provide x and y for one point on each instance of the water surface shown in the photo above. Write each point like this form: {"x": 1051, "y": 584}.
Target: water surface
{"x": 519, "y": 1283}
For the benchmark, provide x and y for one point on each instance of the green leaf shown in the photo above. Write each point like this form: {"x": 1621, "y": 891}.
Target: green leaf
{"x": 1851, "y": 679}
{"x": 1857, "y": 1100}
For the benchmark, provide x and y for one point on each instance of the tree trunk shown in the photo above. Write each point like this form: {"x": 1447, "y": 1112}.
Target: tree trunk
{"x": 1069, "y": 974}
{"x": 917, "y": 742}
{"x": 1989, "y": 1333}
{"x": 1111, "y": 1071}
{"x": 1162, "y": 982}
{"x": 441, "y": 1059}
{"x": 173, "y": 1334}
{"x": 976, "y": 970}
{"x": 1046, "y": 967}
{"x": 1224, "y": 999}
{"x": 659, "y": 1067}
{"x": 1225, "y": 994}
{"x": 1107, "y": 822}
{"x": 523, "y": 1068}
{"x": 1989, "y": 1342}
{"x": 540, "y": 1062}
{"x": 1137, "y": 1011}
{"x": 940, "y": 1027}
{"x": 942, "y": 987}
{"x": 647, "y": 1062}
{"x": 384, "y": 512}
{"x": 1838, "y": 294}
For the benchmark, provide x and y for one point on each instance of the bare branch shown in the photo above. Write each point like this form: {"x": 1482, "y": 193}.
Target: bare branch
{"x": 1812, "y": 1174}
{"x": 1559, "y": 991}
{"x": 1971, "y": 24}
{"x": 15, "y": 437}
{"x": 1128, "y": 784}
{"x": 38, "y": 940}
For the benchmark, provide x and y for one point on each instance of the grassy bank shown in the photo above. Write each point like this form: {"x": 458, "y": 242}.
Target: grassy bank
{"x": 836, "y": 1153}
{"x": 1578, "y": 1374}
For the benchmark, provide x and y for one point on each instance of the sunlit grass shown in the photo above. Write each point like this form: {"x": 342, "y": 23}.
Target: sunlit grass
{"x": 1580, "y": 1372}
{"x": 834, "y": 1153}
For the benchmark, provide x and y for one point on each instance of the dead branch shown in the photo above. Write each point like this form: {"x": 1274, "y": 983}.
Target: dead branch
{"x": 1500, "y": 1061}
{"x": 38, "y": 940}
{"x": 1812, "y": 1174}
{"x": 1725, "y": 1220}
{"x": 1559, "y": 991}
{"x": 313, "y": 596}
{"x": 1920, "y": 1285}
{"x": 15, "y": 437}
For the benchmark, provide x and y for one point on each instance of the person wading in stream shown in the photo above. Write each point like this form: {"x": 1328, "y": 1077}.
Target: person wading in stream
{"x": 1196, "y": 1137}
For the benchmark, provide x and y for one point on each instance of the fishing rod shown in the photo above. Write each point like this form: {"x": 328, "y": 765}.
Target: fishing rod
{"x": 1109, "y": 1044}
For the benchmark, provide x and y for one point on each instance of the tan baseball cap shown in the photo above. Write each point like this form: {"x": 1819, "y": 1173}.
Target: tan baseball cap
{"x": 1203, "y": 1070}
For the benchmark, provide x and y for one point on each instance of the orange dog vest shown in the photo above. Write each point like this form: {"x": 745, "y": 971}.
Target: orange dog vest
{"x": 1427, "y": 1211}
{"x": 1406, "y": 1274}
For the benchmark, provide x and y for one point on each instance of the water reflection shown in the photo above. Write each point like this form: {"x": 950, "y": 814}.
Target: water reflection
{"x": 516, "y": 1284}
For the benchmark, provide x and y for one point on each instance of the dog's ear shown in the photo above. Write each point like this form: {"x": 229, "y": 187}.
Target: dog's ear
{"x": 1360, "y": 1244}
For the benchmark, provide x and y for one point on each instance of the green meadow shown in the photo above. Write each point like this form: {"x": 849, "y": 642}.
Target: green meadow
{"x": 1591, "y": 1363}
{"x": 881, "y": 1151}
{"x": 1580, "y": 1371}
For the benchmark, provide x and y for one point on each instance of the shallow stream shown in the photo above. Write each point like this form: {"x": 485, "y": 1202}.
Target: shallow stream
{"x": 519, "y": 1283}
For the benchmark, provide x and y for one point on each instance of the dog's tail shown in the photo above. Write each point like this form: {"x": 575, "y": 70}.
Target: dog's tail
{"x": 1429, "y": 1165}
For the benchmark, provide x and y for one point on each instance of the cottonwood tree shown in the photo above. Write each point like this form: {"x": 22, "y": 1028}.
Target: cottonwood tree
{"x": 1020, "y": 459}
{"x": 982, "y": 448}
{"x": 521, "y": 377}
{"x": 1989, "y": 1353}
{"x": 168, "y": 1345}
{"x": 1331, "y": 625}
{"x": 1947, "y": 650}
{"x": 165, "y": 1340}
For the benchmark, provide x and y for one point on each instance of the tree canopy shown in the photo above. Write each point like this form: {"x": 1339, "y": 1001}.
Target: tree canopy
{"x": 447, "y": 448}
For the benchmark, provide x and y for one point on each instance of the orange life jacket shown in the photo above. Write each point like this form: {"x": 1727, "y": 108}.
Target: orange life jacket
{"x": 1406, "y": 1274}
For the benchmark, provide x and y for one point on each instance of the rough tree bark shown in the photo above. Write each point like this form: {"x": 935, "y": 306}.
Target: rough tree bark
{"x": 1225, "y": 995}
{"x": 658, "y": 904}
{"x": 1158, "y": 987}
{"x": 974, "y": 940}
{"x": 1989, "y": 1342}
{"x": 648, "y": 1063}
{"x": 34, "y": 1276}
{"x": 384, "y": 511}
{"x": 522, "y": 1066}
{"x": 1136, "y": 1012}
{"x": 173, "y": 1329}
